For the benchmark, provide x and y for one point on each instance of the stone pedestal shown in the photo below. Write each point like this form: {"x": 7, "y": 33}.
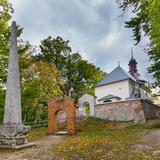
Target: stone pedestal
{"x": 14, "y": 136}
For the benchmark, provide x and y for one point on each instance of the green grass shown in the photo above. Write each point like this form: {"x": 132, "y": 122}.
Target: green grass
{"x": 37, "y": 133}
{"x": 98, "y": 139}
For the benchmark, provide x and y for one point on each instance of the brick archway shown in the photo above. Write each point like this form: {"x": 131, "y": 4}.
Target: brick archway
{"x": 54, "y": 106}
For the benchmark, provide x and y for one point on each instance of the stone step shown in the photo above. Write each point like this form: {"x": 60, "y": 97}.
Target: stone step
{"x": 61, "y": 133}
{"x": 17, "y": 146}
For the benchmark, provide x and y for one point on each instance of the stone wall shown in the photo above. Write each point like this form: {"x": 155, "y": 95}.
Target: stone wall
{"x": 151, "y": 110}
{"x": 130, "y": 110}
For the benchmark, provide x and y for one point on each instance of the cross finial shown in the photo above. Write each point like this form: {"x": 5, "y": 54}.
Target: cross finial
{"x": 119, "y": 63}
{"x": 131, "y": 52}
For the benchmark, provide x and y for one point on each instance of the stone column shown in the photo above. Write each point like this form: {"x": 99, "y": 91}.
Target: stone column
{"x": 12, "y": 113}
{"x": 13, "y": 134}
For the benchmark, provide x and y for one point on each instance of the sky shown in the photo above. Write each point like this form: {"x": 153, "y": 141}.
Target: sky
{"x": 95, "y": 29}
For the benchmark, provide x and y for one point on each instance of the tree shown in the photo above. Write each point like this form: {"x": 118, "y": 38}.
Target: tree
{"x": 41, "y": 82}
{"x": 5, "y": 16}
{"x": 146, "y": 20}
{"x": 53, "y": 50}
{"x": 79, "y": 75}
{"x": 82, "y": 75}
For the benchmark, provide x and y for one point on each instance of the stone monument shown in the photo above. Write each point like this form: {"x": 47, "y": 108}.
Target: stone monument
{"x": 13, "y": 134}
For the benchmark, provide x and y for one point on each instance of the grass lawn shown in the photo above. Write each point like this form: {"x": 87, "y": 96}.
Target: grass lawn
{"x": 37, "y": 133}
{"x": 103, "y": 140}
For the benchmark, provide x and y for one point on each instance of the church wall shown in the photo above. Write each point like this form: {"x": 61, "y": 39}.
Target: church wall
{"x": 146, "y": 91}
{"x": 120, "y": 89}
{"x": 131, "y": 86}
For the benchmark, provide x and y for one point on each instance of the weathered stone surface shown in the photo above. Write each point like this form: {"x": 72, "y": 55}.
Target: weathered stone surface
{"x": 13, "y": 135}
{"x": 13, "y": 130}
{"x": 120, "y": 111}
{"x": 156, "y": 153}
{"x": 12, "y": 113}
{"x": 151, "y": 110}
{"x": 131, "y": 110}
{"x": 140, "y": 148}
{"x": 17, "y": 146}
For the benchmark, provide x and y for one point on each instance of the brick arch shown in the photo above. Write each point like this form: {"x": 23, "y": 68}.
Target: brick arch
{"x": 54, "y": 106}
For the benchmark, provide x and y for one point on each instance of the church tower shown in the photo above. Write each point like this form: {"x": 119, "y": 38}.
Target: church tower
{"x": 133, "y": 68}
{"x": 132, "y": 65}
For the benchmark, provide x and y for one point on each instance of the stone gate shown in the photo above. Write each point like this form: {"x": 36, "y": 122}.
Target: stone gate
{"x": 82, "y": 100}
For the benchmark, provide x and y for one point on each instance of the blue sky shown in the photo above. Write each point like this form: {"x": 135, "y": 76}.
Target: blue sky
{"x": 95, "y": 29}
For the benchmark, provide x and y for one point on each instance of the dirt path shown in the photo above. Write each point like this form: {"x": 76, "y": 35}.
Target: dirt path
{"x": 42, "y": 151}
{"x": 149, "y": 142}
{"x": 152, "y": 138}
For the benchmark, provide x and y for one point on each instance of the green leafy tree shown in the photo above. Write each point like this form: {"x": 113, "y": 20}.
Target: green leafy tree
{"x": 41, "y": 82}
{"x": 5, "y": 16}
{"x": 53, "y": 50}
{"x": 79, "y": 75}
{"x": 146, "y": 20}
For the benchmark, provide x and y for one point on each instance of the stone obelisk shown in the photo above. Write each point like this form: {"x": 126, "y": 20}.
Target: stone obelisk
{"x": 12, "y": 113}
{"x": 13, "y": 134}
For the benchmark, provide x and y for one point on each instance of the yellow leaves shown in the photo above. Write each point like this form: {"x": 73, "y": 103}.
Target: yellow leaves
{"x": 47, "y": 78}
{"x": 84, "y": 145}
{"x": 102, "y": 140}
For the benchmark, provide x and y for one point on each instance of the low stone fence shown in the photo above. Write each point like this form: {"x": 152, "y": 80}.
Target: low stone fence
{"x": 151, "y": 111}
{"x": 130, "y": 110}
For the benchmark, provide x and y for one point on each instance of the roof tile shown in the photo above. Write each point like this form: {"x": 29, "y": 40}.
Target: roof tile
{"x": 118, "y": 74}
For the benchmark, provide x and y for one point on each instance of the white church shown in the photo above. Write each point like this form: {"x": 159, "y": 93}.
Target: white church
{"x": 121, "y": 96}
{"x": 120, "y": 85}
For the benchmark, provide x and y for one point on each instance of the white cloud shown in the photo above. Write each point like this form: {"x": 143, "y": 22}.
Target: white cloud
{"x": 110, "y": 39}
{"x": 93, "y": 27}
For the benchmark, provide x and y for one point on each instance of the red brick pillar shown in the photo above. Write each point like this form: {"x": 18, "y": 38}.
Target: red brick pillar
{"x": 71, "y": 118}
{"x": 52, "y": 122}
